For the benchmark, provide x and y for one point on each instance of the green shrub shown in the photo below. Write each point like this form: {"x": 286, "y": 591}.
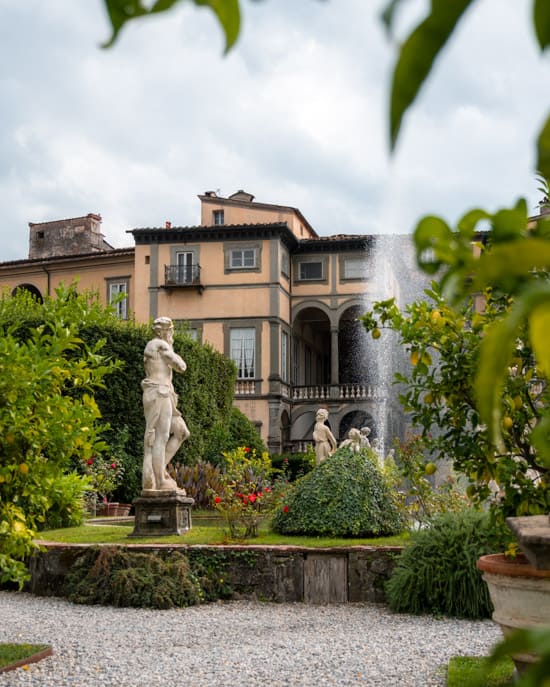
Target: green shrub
{"x": 436, "y": 572}
{"x": 113, "y": 576}
{"x": 345, "y": 496}
{"x": 67, "y": 502}
{"x": 205, "y": 390}
{"x": 229, "y": 434}
{"x": 293, "y": 465}
{"x": 45, "y": 426}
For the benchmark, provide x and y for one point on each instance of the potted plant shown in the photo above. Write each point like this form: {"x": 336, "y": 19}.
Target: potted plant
{"x": 106, "y": 474}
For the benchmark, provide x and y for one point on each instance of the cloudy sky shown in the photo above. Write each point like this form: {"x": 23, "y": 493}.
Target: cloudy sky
{"x": 296, "y": 115}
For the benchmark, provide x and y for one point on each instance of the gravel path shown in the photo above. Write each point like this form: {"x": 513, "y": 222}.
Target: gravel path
{"x": 235, "y": 643}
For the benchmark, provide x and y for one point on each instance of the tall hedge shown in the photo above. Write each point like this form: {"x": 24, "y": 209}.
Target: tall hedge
{"x": 205, "y": 390}
{"x": 205, "y": 393}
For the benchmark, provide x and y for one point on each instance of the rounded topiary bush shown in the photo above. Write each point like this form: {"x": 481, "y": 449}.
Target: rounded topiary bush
{"x": 436, "y": 572}
{"x": 345, "y": 496}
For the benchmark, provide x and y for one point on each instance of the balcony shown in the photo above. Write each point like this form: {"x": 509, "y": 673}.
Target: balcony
{"x": 340, "y": 392}
{"x": 182, "y": 277}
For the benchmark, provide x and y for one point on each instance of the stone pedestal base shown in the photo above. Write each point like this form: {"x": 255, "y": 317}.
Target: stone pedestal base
{"x": 162, "y": 513}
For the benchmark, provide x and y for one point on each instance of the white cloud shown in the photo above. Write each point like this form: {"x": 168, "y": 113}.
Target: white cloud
{"x": 296, "y": 114}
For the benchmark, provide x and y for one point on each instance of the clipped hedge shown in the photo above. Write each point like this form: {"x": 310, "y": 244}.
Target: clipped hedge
{"x": 436, "y": 572}
{"x": 205, "y": 390}
{"x": 345, "y": 496}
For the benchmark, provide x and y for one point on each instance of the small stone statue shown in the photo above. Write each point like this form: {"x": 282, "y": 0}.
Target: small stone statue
{"x": 364, "y": 432}
{"x": 165, "y": 428}
{"x": 353, "y": 441}
{"x": 325, "y": 443}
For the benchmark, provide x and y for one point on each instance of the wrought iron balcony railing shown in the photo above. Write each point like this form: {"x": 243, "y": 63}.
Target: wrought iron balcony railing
{"x": 177, "y": 276}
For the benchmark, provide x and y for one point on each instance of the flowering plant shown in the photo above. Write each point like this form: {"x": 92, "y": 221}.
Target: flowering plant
{"x": 106, "y": 474}
{"x": 245, "y": 493}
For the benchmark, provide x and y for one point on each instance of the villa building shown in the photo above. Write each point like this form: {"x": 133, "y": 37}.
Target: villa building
{"x": 256, "y": 282}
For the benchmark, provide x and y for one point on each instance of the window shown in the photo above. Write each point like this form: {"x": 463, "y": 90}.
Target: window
{"x": 354, "y": 268}
{"x": 218, "y": 217}
{"x": 118, "y": 297}
{"x": 242, "y": 351}
{"x": 285, "y": 268}
{"x": 185, "y": 268}
{"x": 284, "y": 357}
{"x": 311, "y": 270}
{"x": 243, "y": 258}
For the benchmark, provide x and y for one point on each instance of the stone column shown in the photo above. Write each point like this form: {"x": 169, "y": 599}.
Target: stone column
{"x": 334, "y": 370}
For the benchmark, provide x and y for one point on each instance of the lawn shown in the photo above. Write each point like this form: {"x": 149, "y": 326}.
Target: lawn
{"x": 206, "y": 532}
{"x": 464, "y": 671}
{"x": 11, "y": 653}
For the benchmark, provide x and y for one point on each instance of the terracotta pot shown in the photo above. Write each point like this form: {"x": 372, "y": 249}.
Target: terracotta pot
{"x": 111, "y": 509}
{"x": 123, "y": 510}
{"x": 520, "y": 594}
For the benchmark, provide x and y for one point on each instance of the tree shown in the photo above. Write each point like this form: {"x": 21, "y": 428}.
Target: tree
{"x": 444, "y": 345}
{"x": 48, "y": 419}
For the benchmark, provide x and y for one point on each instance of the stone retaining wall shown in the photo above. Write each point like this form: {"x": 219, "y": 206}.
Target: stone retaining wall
{"x": 269, "y": 573}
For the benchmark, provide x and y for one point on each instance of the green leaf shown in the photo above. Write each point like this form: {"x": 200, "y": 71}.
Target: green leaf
{"x": 122, "y": 11}
{"x": 543, "y": 150}
{"x": 417, "y": 56}
{"x": 541, "y": 20}
{"x": 514, "y": 258}
{"x": 496, "y": 352}
{"x": 539, "y": 329}
{"x": 432, "y": 235}
{"x": 510, "y": 223}
{"x": 468, "y": 223}
{"x": 388, "y": 13}
{"x": 228, "y": 14}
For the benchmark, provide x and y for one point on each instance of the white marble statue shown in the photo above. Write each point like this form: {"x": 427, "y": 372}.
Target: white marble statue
{"x": 353, "y": 441}
{"x": 364, "y": 432}
{"x": 165, "y": 428}
{"x": 325, "y": 443}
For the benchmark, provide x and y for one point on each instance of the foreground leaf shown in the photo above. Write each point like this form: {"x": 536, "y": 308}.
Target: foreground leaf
{"x": 417, "y": 56}
{"x": 122, "y": 11}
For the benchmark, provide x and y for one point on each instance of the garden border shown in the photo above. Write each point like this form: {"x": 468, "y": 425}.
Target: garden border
{"x": 267, "y": 573}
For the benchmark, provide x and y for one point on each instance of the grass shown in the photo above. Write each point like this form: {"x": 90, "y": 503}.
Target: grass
{"x": 11, "y": 653}
{"x": 464, "y": 671}
{"x": 206, "y": 534}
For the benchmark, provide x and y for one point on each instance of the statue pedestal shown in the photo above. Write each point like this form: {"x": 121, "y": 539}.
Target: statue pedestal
{"x": 162, "y": 513}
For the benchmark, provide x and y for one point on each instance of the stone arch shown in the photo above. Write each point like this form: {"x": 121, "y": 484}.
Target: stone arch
{"x": 353, "y": 357}
{"x": 311, "y": 353}
{"x": 356, "y": 418}
{"x": 31, "y": 289}
{"x": 285, "y": 431}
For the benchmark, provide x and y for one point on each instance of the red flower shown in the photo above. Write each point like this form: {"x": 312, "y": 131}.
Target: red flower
{"x": 259, "y": 494}
{"x": 245, "y": 499}
{"x": 285, "y": 509}
{"x": 217, "y": 499}
{"x": 90, "y": 461}
{"x": 252, "y": 498}
{"x": 113, "y": 466}
{"x": 267, "y": 490}
{"x": 246, "y": 449}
